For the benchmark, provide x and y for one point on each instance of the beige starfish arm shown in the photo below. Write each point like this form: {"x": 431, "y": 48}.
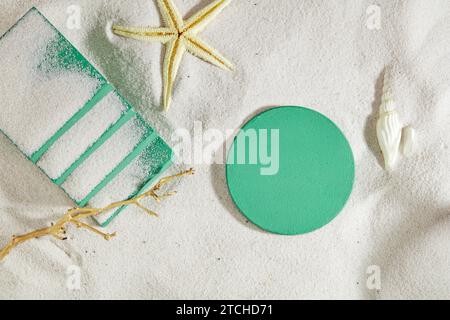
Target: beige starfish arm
{"x": 145, "y": 33}
{"x": 171, "y": 16}
{"x": 174, "y": 53}
{"x": 204, "y": 51}
{"x": 200, "y": 20}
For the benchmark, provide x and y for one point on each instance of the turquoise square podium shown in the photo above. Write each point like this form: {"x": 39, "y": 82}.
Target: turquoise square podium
{"x": 71, "y": 122}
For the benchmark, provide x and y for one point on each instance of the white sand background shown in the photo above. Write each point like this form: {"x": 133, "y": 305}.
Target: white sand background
{"x": 319, "y": 54}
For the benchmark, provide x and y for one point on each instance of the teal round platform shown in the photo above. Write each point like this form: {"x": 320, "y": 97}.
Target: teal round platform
{"x": 290, "y": 170}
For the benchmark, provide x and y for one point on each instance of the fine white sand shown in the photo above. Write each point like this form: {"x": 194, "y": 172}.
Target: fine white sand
{"x": 319, "y": 54}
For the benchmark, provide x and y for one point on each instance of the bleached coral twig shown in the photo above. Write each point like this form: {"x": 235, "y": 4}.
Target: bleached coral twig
{"x": 76, "y": 215}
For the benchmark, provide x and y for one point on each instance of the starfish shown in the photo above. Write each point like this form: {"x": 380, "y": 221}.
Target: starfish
{"x": 179, "y": 36}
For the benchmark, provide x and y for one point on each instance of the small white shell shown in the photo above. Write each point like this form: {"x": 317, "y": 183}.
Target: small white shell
{"x": 389, "y": 130}
{"x": 408, "y": 141}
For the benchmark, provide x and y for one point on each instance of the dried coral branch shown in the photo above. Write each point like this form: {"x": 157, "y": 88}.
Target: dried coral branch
{"x": 75, "y": 215}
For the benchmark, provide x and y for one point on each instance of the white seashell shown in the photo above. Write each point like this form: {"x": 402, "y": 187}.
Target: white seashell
{"x": 389, "y": 130}
{"x": 408, "y": 141}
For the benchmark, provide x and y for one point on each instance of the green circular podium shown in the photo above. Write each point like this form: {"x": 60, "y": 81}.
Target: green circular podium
{"x": 290, "y": 170}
